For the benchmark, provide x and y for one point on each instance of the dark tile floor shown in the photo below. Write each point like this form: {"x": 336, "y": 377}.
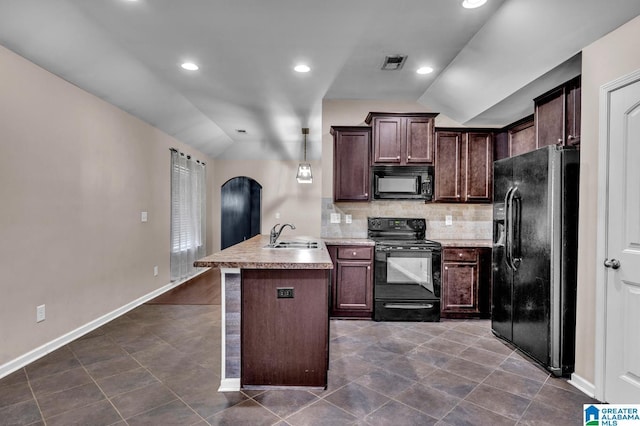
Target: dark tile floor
{"x": 159, "y": 365}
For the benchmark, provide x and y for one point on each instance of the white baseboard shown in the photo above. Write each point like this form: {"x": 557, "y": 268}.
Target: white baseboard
{"x": 583, "y": 385}
{"x": 229, "y": 385}
{"x": 59, "y": 342}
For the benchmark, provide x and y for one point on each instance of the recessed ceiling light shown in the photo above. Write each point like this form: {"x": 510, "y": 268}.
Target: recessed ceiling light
{"x": 302, "y": 68}
{"x": 424, "y": 70}
{"x": 472, "y": 4}
{"x": 190, "y": 66}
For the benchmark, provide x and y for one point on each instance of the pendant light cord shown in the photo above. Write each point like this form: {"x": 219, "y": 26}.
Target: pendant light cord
{"x": 305, "y": 132}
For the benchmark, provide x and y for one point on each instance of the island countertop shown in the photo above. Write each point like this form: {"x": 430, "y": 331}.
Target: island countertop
{"x": 252, "y": 254}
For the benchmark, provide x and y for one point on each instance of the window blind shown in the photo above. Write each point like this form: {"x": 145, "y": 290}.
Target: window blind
{"x": 188, "y": 214}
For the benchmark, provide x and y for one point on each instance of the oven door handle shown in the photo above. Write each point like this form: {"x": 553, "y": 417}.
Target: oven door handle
{"x": 408, "y": 305}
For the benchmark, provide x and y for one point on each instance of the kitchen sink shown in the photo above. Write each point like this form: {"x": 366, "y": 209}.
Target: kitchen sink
{"x": 295, "y": 245}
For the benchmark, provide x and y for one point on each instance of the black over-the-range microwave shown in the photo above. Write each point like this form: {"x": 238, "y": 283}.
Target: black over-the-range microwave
{"x": 402, "y": 182}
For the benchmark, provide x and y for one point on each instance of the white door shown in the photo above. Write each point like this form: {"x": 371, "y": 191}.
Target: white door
{"x": 622, "y": 257}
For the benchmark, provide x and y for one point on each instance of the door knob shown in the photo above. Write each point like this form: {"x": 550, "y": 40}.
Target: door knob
{"x": 613, "y": 263}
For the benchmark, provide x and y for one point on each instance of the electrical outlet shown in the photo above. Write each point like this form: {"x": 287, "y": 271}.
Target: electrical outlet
{"x": 335, "y": 217}
{"x": 277, "y": 215}
{"x": 284, "y": 292}
{"x": 40, "y": 313}
{"x": 348, "y": 219}
{"x": 448, "y": 220}
{"x": 143, "y": 216}
{"x": 155, "y": 271}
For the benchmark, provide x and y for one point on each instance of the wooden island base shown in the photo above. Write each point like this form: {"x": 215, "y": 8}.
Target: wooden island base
{"x": 285, "y": 327}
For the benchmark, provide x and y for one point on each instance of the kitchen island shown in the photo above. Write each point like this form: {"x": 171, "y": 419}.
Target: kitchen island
{"x": 275, "y": 307}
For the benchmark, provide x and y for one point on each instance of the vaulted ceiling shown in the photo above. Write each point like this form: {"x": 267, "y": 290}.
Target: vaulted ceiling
{"x": 488, "y": 62}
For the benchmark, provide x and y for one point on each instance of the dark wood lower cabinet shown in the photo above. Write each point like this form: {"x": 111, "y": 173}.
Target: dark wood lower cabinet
{"x": 466, "y": 282}
{"x": 351, "y": 281}
{"x": 285, "y": 327}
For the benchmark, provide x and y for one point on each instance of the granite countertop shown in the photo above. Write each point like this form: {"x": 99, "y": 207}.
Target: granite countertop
{"x": 336, "y": 241}
{"x": 488, "y": 243}
{"x": 251, "y": 254}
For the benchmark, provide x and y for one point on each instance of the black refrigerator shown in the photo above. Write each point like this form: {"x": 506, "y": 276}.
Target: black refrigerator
{"x": 535, "y": 244}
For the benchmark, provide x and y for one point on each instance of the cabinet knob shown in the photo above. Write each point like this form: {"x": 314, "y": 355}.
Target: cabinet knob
{"x": 368, "y": 268}
{"x": 460, "y": 254}
{"x": 409, "y": 157}
{"x": 446, "y": 268}
{"x": 398, "y": 157}
{"x": 354, "y": 253}
{"x": 560, "y": 140}
{"x": 366, "y": 194}
{"x": 570, "y": 137}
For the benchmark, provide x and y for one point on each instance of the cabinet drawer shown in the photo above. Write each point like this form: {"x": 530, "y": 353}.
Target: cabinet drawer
{"x": 361, "y": 253}
{"x": 460, "y": 255}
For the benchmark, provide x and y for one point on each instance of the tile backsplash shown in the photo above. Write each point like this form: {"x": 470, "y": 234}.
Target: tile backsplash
{"x": 469, "y": 221}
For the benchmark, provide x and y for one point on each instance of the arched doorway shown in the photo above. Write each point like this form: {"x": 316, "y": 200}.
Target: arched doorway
{"x": 240, "y": 210}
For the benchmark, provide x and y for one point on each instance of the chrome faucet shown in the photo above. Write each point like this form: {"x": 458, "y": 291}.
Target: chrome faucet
{"x": 273, "y": 236}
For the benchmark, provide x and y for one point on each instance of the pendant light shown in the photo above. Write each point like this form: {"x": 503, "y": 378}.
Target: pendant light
{"x": 304, "y": 168}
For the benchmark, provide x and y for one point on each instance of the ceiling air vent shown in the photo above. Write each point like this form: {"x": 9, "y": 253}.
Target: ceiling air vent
{"x": 393, "y": 62}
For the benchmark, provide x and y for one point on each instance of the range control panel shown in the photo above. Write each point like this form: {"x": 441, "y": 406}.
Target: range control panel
{"x": 396, "y": 224}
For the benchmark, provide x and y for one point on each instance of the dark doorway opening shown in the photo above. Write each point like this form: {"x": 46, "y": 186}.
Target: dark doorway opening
{"x": 241, "y": 206}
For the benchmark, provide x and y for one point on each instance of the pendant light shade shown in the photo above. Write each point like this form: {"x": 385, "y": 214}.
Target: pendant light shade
{"x": 304, "y": 168}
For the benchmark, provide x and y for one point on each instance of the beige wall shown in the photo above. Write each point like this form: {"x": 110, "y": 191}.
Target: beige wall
{"x": 297, "y": 203}
{"x": 75, "y": 174}
{"x": 609, "y": 58}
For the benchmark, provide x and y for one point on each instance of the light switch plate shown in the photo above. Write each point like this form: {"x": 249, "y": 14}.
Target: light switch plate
{"x": 40, "y": 313}
{"x": 335, "y": 217}
{"x": 347, "y": 218}
{"x": 448, "y": 220}
{"x": 143, "y": 216}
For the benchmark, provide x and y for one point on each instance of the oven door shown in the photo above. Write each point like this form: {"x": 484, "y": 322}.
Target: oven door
{"x": 405, "y": 268}
{"x": 407, "y": 285}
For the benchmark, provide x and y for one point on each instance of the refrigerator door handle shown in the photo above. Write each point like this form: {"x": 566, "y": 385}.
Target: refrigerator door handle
{"x": 512, "y": 225}
{"x": 507, "y": 226}
{"x": 516, "y": 220}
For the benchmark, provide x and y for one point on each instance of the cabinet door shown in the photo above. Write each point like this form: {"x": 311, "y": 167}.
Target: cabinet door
{"x": 387, "y": 143}
{"x": 353, "y": 290}
{"x": 419, "y": 140}
{"x": 549, "y": 116}
{"x": 460, "y": 287}
{"x": 478, "y": 167}
{"x": 573, "y": 109}
{"x": 447, "y": 168}
{"x": 351, "y": 165}
{"x": 522, "y": 138}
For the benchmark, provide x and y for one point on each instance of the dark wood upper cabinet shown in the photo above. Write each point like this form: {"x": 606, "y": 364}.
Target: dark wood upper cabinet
{"x": 549, "y": 117}
{"x": 516, "y": 138}
{"x": 574, "y": 111}
{"x": 463, "y": 166}
{"x": 522, "y": 137}
{"x": 351, "y": 159}
{"x": 402, "y": 138}
{"x": 557, "y": 115}
{"x": 448, "y": 158}
{"x": 478, "y": 167}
